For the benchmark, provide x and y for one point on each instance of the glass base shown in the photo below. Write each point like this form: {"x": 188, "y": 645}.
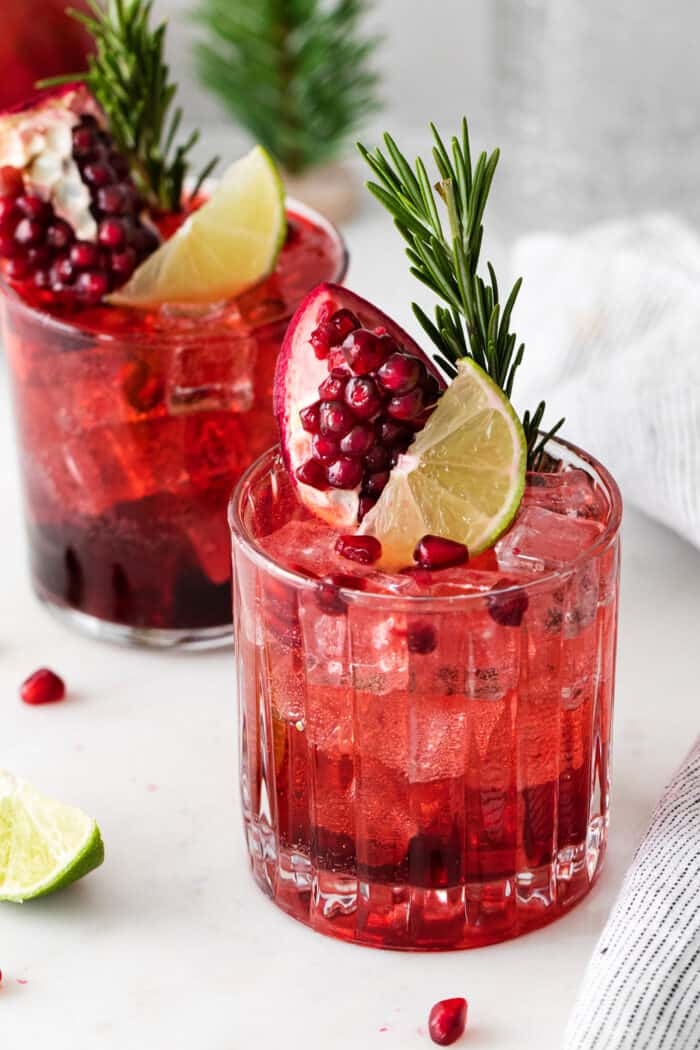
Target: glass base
{"x": 197, "y": 638}
{"x": 415, "y": 918}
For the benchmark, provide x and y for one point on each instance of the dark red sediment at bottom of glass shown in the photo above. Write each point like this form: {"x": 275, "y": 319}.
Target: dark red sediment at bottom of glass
{"x": 128, "y": 576}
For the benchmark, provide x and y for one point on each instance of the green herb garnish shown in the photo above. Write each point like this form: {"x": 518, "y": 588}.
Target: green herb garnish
{"x": 473, "y": 323}
{"x": 129, "y": 78}
{"x": 295, "y": 73}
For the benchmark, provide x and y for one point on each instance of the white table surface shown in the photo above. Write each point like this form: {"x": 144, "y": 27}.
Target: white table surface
{"x": 169, "y": 946}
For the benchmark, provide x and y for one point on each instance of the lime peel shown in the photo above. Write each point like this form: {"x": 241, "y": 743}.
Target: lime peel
{"x": 44, "y": 844}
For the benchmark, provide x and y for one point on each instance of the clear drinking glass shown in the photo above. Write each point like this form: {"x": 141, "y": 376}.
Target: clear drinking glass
{"x": 133, "y": 427}
{"x": 426, "y": 772}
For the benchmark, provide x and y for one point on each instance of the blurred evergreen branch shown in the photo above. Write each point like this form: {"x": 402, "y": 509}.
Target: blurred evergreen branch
{"x": 296, "y": 73}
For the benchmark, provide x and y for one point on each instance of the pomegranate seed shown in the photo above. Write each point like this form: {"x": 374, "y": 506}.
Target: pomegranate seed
{"x": 335, "y": 419}
{"x": 431, "y": 389}
{"x": 333, "y": 388}
{"x": 38, "y": 256}
{"x": 120, "y": 164}
{"x": 363, "y": 397}
{"x": 364, "y": 549}
{"x": 345, "y": 473}
{"x": 123, "y": 263}
{"x": 18, "y": 268}
{"x": 113, "y": 200}
{"x": 447, "y": 1021}
{"x": 400, "y": 373}
{"x": 509, "y": 608}
{"x": 98, "y": 174}
{"x": 8, "y": 246}
{"x": 395, "y": 435}
{"x": 83, "y": 140}
{"x": 324, "y": 449}
{"x": 363, "y": 351}
{"x": 376, "y": 459}
{"x": 406, "y": 406}
{"x": 292, "y": 235}
{"x": 343, "y": 322}
{"x": 312, "y": 473}
{"x": 436, "y": 552}
{"x": 63, "y": 270}
{"x": 329, "y": 598}
{"x": 11, "y": 181}
{"x": 92, "y": 285}
{"x": 9, "y": 215}
{"x": 310, "y": 418}
{"x": 59, "y": 234}
{"x": 34, "y": 207}
{"x": 142, "y": 389}
{"x": 321, "y": 340}
{"x": 358, "y": 441}
{"x": 421, "y": 638}
{"x": 84, "y": 255}
{"x": 365, "y": 505}
{"x": 111, "y": 233}
{"x": 42, "y": 687}
{"x": 142, "y": 240}
{"x": 29, "y": 232}
{"x": 374, "y": 484}
{"x": 42, "y": 279}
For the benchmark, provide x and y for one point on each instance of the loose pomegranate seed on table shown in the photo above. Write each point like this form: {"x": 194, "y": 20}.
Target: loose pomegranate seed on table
{"x": 42, "y": 687}
{"x": 447, "y": 1021}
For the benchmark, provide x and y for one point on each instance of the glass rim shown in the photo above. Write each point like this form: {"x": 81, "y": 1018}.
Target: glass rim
{"x": 241, "y": 535}
{"x": 65, "y": 327}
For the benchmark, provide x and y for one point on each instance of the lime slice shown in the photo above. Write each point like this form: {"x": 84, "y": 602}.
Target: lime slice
{"x": 44, "y": 845}
{"x": 462, "y": 478}
{"x": 226, "y": 246}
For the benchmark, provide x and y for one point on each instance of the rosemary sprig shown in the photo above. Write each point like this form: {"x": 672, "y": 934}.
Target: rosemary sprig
{"x": 129, "y": 78}
{"x": 473, "y": 322}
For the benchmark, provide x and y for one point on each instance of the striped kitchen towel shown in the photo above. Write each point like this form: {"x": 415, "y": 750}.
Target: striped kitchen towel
{"x": 642, "y": 987}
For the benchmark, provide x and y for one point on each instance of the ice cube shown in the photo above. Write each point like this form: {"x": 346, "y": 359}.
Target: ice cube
{"x": 542, "y": 540}
{"x": 570, "y": 492}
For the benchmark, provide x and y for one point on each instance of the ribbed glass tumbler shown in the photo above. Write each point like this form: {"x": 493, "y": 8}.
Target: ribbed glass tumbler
{"x": 416, "y": 774}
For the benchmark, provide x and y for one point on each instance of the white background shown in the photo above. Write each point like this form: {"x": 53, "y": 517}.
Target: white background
{"x": 169, "y": 946}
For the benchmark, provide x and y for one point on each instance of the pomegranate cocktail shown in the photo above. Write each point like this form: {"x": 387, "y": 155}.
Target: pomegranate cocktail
{"x": 425, "y": 610}
{"x": 142, "y": 344}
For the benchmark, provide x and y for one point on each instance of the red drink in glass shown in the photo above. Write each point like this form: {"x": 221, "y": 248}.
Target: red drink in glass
{"x": 425, "y": 756}
{"x": 133, "y": 428}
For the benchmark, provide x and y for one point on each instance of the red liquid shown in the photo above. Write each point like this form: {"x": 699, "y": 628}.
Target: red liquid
{"x": 441, "y": 798}
{"x": 131, "y": 445}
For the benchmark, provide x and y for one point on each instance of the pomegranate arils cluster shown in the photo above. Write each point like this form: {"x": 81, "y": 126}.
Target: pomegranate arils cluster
{"x": 369, "y": 407}
{"x": 40, "y": 248}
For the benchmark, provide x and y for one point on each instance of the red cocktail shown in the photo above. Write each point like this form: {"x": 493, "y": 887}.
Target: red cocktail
{"x": 425, "y": 754}
{"x": 133, "y": 427}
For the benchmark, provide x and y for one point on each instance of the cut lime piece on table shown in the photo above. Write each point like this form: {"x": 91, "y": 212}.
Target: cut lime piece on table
{"x": 462, "y": 478}
{"x": 226, "y": 246}
{"x": 44, "y": 844}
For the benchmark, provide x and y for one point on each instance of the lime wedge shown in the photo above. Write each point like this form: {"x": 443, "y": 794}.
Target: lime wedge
{"x": 44, "y": 845}
{"x": 226, "y": 246}
{"x": 462, "y": 478}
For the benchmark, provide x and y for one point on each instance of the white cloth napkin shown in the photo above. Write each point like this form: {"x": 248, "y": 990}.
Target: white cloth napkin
{"x": 642, "y": 987}
{"x": 611, "y": 318}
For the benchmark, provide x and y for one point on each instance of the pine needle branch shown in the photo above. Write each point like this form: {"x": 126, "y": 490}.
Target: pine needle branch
{"x": 297, "y": 74}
